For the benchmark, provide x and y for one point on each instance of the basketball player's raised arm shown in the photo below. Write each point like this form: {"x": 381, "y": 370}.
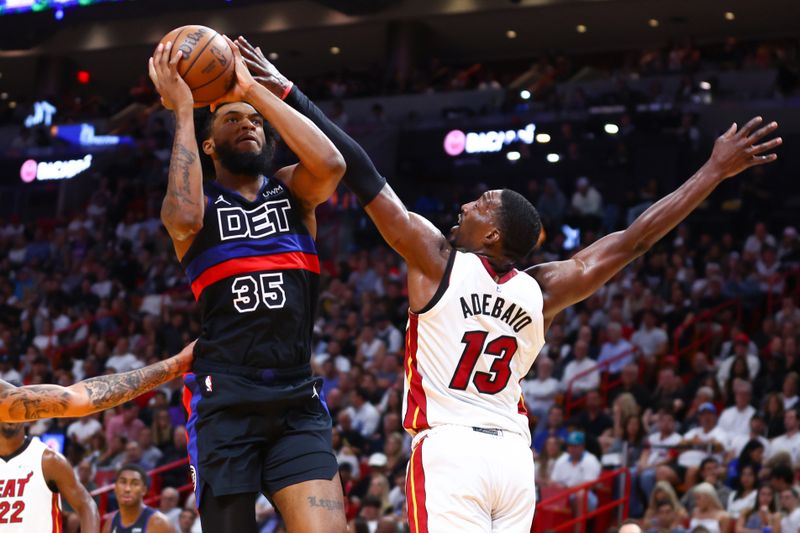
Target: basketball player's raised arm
{"x": 183, "y": 206}
{"x": 32, "y": 402}
{"x": 420, "y": 243}
{"x": 314, "y": 179}
{"x": 565, "y": 283}
{"x": 57, "y": 471}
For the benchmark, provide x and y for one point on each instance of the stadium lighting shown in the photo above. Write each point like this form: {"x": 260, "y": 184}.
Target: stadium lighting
{"x": 611, "y": 129}
{"x": 706, "y": 86}
{"x": 581, "y": 28}
{"x": 335, "y": 50}
{"x": 513, "y": 155}
{"x": 543, "y": 138}
{"x": 12, "y": 104}
{"x": 729, "y": 15}
{"x": 525, "y": 94}
{"x": 273, "y": 56}
{"x": 553, "y": 158}
{"x": 511, "y": 34}
{"x": 653, "y": 23}
{"x": 4, "y": 96}
{"x": 59, "y": 14}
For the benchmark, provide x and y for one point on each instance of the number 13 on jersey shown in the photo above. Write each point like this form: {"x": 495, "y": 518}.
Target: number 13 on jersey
{"x": 502, "y": 348}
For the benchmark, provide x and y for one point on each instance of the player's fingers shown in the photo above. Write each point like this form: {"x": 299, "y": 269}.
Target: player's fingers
{"x": 731, "y": 131}
{"x": 750, "y": 126}
{"x": 157, "y": 56}
{"x": 765, "y": 146}
{"x": 764, "y": 159}
{"x": 151, "y": 69}
{"x": 260, "y": 53}
{"x": 165, "y": 56}
{"x": 244, "y": 44}
{"x": 173, "y": 62}
{"x": 237, "y": 53}
{"x": 761, "y": 133}
{"x": 254, "y": 67}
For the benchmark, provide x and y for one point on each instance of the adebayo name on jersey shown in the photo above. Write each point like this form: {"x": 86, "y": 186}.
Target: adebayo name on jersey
{"x": 495, "y": 307}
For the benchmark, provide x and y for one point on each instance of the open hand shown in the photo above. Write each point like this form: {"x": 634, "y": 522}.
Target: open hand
{"x": 262, "y": 70}
{"x": 244, "y": 80}
{"x": 175, "y": 92}
{"x": 735, "y": 151}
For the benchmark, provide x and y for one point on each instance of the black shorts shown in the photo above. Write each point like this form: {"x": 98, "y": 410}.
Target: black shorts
{"x": 256, "y": 430}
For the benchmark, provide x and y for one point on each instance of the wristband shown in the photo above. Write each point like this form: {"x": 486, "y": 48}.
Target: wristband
{"x": 287, "y": 90}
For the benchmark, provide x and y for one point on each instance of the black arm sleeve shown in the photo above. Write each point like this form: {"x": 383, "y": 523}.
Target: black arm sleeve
{"x": 361, "y": 176}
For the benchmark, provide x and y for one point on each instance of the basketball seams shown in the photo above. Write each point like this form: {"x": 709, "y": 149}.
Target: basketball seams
{"x": 175, "y": 40}
{"x": 198, "y": 54}
{"x": 227, "y": 68}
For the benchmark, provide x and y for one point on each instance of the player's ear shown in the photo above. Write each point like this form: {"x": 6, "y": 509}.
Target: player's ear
{"x": 208, "y": 147}
{"x": 492, "y": 237}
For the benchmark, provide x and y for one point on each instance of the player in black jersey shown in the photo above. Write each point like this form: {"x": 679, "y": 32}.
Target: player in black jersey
{"x": 130, "y": 488}
{"x": 256, "y": 421}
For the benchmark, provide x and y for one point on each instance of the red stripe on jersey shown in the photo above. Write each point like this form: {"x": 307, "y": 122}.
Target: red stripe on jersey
{"x": 55, "y": 514}
{"x": 416, "y": 404}
{"x": 245, "y": 265}
{"x": 521, "y": 406}
{"x": 415, "y": 492}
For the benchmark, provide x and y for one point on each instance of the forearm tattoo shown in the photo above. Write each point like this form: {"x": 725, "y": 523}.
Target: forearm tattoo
{"x": 103, "y": 392}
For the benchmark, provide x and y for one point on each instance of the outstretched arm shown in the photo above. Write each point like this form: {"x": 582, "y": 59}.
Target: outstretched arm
{"x": 21, "y": 404}
{"x": 418, "y": 241}
{"x": 57, "y": 470}
{"x": 565, "y": 283}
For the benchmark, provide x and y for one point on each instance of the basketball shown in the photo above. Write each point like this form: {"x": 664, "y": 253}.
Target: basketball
{"x": 207, "y": 64}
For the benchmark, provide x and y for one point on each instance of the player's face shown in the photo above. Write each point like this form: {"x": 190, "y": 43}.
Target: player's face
{"x": 9, "y": 431}
{"x": 129, "y": 488}
{"x": 477, "y": 223}
{"x": 240, "y": 127}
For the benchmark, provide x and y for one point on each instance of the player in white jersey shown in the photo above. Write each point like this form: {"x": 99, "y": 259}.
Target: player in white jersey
{"x": 33, "y": 478}
{"x": 471, "y": 467}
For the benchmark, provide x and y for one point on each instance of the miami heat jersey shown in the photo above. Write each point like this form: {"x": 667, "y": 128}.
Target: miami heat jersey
{"x": 466, "y": 354}
{"x": 26, "y": 502}
{"x": 254, "y": 272}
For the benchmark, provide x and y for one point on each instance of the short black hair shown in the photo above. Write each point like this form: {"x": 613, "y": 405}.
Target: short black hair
{"x": 520, "y": 225}
{"x": 131, "y": 467}
{"x": 708, "y": 461}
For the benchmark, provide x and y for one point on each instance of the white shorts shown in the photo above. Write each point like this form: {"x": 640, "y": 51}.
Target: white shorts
{"x": 467, "y": 480}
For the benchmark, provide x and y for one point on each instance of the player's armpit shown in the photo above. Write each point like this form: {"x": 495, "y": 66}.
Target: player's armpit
{"x": 57, "y": 471}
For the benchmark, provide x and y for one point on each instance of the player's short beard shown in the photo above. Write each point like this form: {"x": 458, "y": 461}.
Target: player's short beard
{"x": 245, "y": 163}
{"x": 9, "y": 431}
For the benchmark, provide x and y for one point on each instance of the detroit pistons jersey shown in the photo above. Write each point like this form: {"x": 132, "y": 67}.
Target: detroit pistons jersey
{"x": 254, "y": 272}
{"x": 26, "y": 502}
{"x": 468, "y": 350}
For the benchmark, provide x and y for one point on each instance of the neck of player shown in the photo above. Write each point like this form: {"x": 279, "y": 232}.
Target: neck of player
{"x": 130, "y": 513}
{"x": 247, "y": 185}
{"x": 9, "y": 445}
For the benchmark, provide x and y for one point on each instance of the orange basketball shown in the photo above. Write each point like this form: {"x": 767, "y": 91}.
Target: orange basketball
{"x": 207, "y": 64}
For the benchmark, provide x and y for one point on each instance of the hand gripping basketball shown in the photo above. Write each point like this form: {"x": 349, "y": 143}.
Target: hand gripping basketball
{"x": 262, "y": 70}
{"x": 243, "y": 83}
{"x": 175, "y": 93}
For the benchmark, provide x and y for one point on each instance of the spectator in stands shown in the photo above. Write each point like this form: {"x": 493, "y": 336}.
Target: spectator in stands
{"x": 663, "y": 494}
{"x": 126, "y": 424}
{"x": 749, "y": 449}
{"x": 791, "y": 385}
{"x": 702, "y": 441}
{"x": 656, "y": 459}
{"x": 790, "y": 503}
{"x": 741, "y": 350}
{"x": 586, "y": 204}
{"x": 554, "y": 428}
{"x": 364, "y": 416}
{"x": 84, "y": 429}
{"x": 151, "y": 455}
{"x": 759, "y": 239}
{"x": 735, "y": 420}
{"x": 552, "y": 204}
{"x": 614, "y": 348}
{"x": 162, "y": 428}
{"x": 168, "y": 505}
{"x": 710, "y": 472}
{"x": 546, "y": 460}
{"x": 788, "y": 311}
{"x": 649, "y": 338}
{"x": 762, "y": 515}
{"x": 578, "y": 377}
{"x": 631, "y": 384}
{"x": 708, "y": 511}
{"x": 575, "y": 467}
{"x": 176, "y": 477}
{"x": 744, "y": 494}
{"x": 790, "y": 441}
{"x": 186, "y": 520}
{"x": 388, "y": 333}
{"x": 122, "y": 360}
{"x": 593, "y": 420}
{"x": 540, "y": 393}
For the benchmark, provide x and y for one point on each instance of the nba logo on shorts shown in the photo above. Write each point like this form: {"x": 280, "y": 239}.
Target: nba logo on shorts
{"x": 209, "y": 385}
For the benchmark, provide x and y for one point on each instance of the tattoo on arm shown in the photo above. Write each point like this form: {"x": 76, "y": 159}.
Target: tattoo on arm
{"x": 35, "y": 401}
{"x": 330, "y": 505}
{"x": 111, "y": 390}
